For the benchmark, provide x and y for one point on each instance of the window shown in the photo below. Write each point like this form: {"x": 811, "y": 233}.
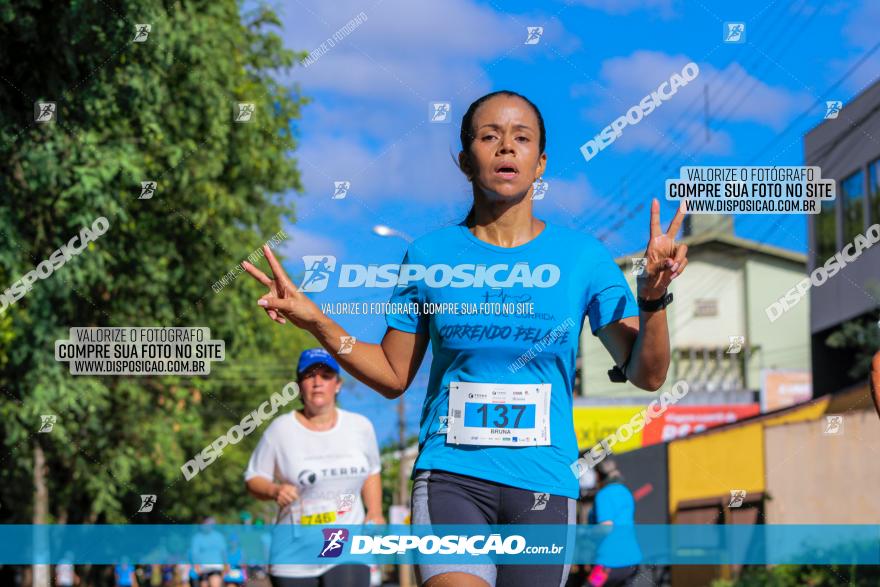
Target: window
{"x": 825, "y": 227}
{"x": 705, "y": 307}
{"x": 874, "y": 191}
{"x": 853, "y": 188}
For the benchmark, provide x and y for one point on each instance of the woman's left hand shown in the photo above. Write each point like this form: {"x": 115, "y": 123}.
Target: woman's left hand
{"x": 374, "y": 518}
{"x": 665, "y": 260}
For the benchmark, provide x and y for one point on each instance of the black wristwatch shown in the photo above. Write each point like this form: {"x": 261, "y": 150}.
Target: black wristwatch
{"x": 654, "y": 305}
{"x": 617, "y": 375}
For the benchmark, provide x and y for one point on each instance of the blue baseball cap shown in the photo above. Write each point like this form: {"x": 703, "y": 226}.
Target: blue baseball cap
{"x": 314, "y": 357}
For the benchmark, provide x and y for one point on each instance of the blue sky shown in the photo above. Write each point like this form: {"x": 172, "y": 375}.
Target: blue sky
{"x": 368, "y": 119}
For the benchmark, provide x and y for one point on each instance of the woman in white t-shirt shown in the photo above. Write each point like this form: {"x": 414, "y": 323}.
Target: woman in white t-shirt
{"x": 65, "y": 572}
{"x": 321, "y": 466}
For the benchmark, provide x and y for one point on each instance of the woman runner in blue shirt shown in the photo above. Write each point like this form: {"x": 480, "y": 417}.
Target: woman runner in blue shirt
{"x": 497, "y": 441}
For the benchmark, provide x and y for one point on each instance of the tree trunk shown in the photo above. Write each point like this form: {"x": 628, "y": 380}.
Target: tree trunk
{"x": 41, "y": 513}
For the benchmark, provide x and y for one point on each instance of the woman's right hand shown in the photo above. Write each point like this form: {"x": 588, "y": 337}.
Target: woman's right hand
{"x": 284, "y": 299}
{"x": 285, "y": 494}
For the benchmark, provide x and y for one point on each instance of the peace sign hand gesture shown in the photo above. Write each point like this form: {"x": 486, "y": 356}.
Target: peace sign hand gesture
{"x": 666, "y": 260}
{"x": 284, "y": 300}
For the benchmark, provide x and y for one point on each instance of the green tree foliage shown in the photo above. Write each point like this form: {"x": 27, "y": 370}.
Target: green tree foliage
{"x": 129, "y": 112}
{"x": 862, "y": 337}
{"x": 805, "y": 575}
{"x": 814, "y": 575}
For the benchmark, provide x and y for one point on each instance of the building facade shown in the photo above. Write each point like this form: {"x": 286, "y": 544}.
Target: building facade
{"x": 847, "y": 149}
{"x": 729, "y": 283}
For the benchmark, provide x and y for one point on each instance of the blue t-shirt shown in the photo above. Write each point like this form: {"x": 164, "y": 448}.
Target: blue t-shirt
{"x": 567, "y": 276}
{"x": 125, "y": 573}
{"x": 620, "y": 548}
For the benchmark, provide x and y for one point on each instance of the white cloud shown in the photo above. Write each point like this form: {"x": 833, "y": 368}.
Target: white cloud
{"x": 415, "y": 165}
{"x": 412, "y": 51}
{"x": 405, "y": 50}
{"x": 567, "y": 198}
{"x": 369, "y": 122}
{"x": 734, "y": 96}
{"x": 302, "y": 242}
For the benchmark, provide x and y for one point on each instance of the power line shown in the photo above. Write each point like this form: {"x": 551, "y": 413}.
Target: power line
{"x": 730, "y": 97}
{"x": 686, "y": 118}
{"x": 818, "y": 101}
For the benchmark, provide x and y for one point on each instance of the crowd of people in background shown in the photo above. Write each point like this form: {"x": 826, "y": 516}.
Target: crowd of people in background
{"x": 208, "y": 544}
{"x": 605, "y": 499}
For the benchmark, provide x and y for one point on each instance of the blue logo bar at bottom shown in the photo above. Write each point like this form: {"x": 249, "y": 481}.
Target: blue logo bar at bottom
{"x": 457, "y": 544}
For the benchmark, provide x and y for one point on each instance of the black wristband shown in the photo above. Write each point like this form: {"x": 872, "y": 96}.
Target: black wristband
{"x": 654, "y": 305}
{"x": 618, "y": 374}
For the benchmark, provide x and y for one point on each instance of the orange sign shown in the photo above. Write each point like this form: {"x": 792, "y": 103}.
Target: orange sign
{"x": 780, "y": 389}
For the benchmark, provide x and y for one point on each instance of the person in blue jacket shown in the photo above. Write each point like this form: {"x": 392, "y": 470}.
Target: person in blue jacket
{"x": 618, "y": 555}
{"x": 501, "y": 297}
{"x": 237, "y": 572}
{"x": 125, "y": 575}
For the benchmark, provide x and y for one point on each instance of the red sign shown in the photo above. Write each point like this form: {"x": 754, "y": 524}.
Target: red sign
{"x": 642, "y": 491}
{"x": 679, "y": 421}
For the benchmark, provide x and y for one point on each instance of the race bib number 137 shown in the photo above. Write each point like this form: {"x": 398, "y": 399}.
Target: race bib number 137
{"x": 499, "y": 414}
